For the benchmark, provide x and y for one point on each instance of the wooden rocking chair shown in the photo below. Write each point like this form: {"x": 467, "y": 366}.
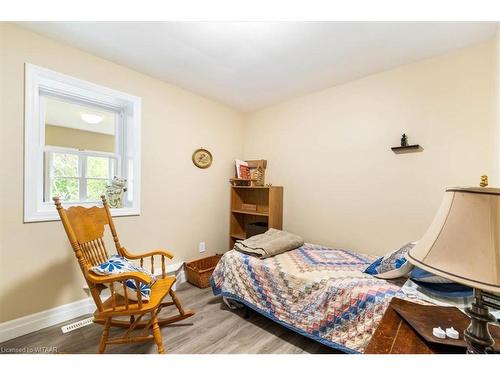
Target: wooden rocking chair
{"x": 85, "y": 230}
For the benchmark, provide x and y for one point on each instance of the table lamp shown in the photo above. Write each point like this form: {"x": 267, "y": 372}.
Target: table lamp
{"x": 463, "y": 245}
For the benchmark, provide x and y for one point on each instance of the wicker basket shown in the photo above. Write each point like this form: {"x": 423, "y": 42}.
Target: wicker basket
{"x": 198, "y": 271}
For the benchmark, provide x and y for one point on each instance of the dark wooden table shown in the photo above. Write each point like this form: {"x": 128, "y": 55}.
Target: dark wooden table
{"x": 395, "y": 336}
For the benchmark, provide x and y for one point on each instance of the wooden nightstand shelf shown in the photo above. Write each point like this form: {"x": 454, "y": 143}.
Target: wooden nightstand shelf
{"x": 395, "y": 336}
{"x": 268, "y": 204}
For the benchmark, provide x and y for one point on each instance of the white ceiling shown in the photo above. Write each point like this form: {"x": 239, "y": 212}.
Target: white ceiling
{"x": 69, "y": 115}
{"x": 249, "y": 65}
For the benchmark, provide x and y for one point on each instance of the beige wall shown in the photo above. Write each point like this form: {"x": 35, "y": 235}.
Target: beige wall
{"x": 80, "y": 139}
{"x": 331, "y": 149}
{"x": 181, "y": 204}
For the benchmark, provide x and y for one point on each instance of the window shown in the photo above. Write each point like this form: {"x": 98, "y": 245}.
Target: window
{"x": 77, "y": 176}
{"x": 79, "y": 136}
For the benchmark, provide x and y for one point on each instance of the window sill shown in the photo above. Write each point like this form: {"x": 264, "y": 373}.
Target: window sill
{"x": 52, "y": 215}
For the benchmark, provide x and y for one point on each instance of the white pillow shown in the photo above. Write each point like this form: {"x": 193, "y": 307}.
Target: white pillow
{"x": 392, "y": 265}
{"x": 397, "y": 272}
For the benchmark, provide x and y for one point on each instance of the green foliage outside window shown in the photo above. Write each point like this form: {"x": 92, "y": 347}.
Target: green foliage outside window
{"x": 66, "y": 189}
{"x": 97, "y": 167}
{"x": 65, "y": 181}
{"x": 95, "y": 188}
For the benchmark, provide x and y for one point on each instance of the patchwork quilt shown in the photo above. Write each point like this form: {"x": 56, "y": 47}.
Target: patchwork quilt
{"x": 319, "y": 292}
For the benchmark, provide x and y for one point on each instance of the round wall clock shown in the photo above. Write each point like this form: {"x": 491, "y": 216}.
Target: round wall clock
{"x": 202, "y": 158}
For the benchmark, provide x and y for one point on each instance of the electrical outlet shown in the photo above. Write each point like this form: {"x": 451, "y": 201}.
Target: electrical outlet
{"x": 201, "y": 247}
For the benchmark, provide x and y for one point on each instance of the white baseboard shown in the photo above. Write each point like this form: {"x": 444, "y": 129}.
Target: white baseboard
{"x": 43, "y": 319}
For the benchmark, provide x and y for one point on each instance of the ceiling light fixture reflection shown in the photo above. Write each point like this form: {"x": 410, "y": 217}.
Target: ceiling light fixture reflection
{"x": 91, "y": 118}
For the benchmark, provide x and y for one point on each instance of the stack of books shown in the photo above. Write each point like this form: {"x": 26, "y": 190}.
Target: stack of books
{"x": 242, "y": 170}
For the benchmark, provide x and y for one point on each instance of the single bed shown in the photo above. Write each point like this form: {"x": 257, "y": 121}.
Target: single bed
{"x": 319, "y": 292}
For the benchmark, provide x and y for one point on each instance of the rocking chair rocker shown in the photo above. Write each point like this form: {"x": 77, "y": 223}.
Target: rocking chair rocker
{"x": 85, "y": 230}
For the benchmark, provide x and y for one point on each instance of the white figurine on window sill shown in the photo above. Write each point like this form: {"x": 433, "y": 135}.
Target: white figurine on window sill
{"x": 114, "y": 192}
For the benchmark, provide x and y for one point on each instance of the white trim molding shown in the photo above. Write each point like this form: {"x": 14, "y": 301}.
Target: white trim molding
{"x": 57, "y": 315}
{"x": 42, "y": 82}
{"x": 43, "y": 319}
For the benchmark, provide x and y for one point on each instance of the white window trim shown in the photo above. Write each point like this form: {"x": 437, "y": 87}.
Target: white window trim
{"x": 37, "y": 79}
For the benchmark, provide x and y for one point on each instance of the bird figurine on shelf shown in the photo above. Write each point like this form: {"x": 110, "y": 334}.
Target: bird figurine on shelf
{"x": 404, "y": 141}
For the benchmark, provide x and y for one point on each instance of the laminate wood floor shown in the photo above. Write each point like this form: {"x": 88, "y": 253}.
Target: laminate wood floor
{"x": 213, "y": 329}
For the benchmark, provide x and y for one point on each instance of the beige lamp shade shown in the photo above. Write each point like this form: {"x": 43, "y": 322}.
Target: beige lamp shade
{"x": 462, "y": 243}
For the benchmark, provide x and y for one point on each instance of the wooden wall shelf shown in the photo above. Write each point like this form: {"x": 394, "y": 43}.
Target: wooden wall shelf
{"x": 268, "y": 201}
{"x": 409, "y": 148}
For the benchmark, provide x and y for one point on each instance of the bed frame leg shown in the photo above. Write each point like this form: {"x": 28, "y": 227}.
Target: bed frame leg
{"x": 246, "y": 314}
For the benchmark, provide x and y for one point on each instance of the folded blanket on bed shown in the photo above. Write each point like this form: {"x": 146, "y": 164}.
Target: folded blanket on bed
{"x": 270, "y": 243}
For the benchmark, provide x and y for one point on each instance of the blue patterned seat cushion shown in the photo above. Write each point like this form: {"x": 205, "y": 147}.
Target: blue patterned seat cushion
{"x": 392, "y": 265}
{"x": 116, "y": 265}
